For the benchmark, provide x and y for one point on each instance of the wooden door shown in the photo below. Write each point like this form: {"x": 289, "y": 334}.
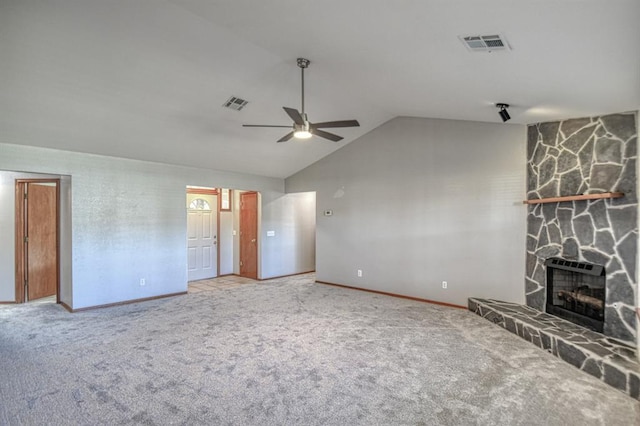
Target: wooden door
{"x": 249, "y": 235}
{"x": 37, "y": 239}
{"x": 202, "y": 242}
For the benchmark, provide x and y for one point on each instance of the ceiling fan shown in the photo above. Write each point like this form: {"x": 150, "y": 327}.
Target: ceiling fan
{"x": 302, "y": 128}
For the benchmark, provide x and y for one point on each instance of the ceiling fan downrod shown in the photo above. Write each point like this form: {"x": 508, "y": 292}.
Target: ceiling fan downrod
{"x": 303, "y": 63}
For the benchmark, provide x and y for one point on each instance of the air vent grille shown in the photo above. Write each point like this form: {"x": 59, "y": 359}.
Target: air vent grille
{"x": 568, "y": 265}
{"x": 485, "y": 43}
{"x": 235, "y": 103}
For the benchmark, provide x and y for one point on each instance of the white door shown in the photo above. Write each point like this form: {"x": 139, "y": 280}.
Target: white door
{"x": 202, "y": 239}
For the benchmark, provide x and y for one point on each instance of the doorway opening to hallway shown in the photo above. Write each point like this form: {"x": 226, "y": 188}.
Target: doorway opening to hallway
{"x": 222, "y": 232}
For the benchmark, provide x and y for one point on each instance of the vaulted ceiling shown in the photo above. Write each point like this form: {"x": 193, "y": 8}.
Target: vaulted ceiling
{"x": 146, "y": 79}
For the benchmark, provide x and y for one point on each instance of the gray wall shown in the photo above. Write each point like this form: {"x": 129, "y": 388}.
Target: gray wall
{"x": 66, "y": 241}
{"x": 291, "y": 218}
{"x": 128, "y": 221}
{"x": 226, "y": 242}
{"x": 419, "y": 201}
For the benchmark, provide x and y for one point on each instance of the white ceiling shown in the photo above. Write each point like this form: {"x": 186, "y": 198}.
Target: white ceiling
{"x": 146, "y": 79}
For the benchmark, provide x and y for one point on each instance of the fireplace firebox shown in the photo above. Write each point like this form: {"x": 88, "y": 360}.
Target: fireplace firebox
{"x": 576, "y": 292}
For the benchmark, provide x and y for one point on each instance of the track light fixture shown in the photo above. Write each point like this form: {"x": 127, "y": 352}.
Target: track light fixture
{"x": 504, "y": 114}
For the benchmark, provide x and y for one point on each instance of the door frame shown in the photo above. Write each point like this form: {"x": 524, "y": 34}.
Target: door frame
{"x": 20, "y": 228}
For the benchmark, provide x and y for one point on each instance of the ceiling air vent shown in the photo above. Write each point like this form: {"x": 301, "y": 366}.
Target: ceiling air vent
{"x": 485, "y": 43}
{"x": 235, "y": 103}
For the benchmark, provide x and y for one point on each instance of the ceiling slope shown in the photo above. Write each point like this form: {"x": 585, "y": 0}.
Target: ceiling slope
{"x": 147, "y": 79}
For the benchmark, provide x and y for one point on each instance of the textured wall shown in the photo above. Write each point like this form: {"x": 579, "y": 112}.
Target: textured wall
{"x": 418, "y": 201}
{"x": 588, "y": 155}
{"x": 128, "y": 221}
{"x": 225, "y": 238}
{"x": 66, "y": 227}
{"x": 293, "y": 242}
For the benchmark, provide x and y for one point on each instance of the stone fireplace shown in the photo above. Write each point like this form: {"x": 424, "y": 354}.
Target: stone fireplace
{"x": 584, "y": 156}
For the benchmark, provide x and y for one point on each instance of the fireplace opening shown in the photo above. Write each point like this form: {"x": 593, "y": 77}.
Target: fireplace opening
{"x": 576, "y": 292}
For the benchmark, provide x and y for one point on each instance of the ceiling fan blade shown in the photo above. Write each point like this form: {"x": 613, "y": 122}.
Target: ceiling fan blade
{"x": 326, "y": 135}
{"x": 286, "y": 137}
{"x": 342, "y": 123}
{"x": 264, "y": 125}
{"x": 295, "y": 115}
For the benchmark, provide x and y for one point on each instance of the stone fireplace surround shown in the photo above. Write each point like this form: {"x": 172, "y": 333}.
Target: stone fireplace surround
{"x": 585, "y": 156}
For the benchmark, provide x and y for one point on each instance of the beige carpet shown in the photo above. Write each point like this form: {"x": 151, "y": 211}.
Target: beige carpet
{"x": 286, "y": 352}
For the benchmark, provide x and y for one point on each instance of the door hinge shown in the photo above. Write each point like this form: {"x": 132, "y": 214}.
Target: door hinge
{"x": 25, "y": 195}
{"x": 26, "y": 239}
{"x": 241, "y": 263}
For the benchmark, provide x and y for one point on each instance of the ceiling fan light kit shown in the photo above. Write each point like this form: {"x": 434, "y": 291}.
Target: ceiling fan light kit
{"x": 302, "y": 132}
{"x": 302, "y": 128}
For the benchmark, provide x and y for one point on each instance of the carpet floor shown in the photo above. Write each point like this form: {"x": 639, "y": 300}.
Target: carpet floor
{"x": 286, "y": 352}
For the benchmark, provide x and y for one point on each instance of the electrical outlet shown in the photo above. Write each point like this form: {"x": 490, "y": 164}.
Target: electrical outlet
{"x": 444, "y": 284}
{"x": 143, "y": 281}
{"x": 359, "y": 273}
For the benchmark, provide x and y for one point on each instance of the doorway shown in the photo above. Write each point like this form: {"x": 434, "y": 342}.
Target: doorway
{"x": 37, "y": 239}
{"x": 202, "y": 233}
{"x": 222, "y": 232}
{"x": 249, "y": 234}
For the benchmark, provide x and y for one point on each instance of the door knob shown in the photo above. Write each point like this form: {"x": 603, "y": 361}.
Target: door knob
{"x": 253, "y": 241}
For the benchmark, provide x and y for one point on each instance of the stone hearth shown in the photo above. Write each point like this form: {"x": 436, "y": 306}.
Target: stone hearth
{"x": 607, "y": 359}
